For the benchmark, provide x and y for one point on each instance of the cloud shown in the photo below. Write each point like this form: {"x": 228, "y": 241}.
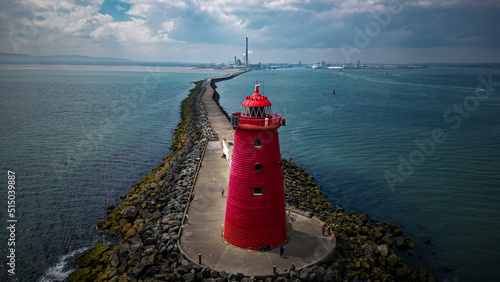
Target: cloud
{"x": 165, "y": 29}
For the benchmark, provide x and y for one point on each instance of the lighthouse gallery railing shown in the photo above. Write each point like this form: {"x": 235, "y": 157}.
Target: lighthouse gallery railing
{"x": 272, "y": 121}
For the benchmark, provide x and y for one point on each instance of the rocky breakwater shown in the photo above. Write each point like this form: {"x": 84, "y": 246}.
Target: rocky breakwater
{"x": 366, "y": 248}
{"x": 152, "y": 213}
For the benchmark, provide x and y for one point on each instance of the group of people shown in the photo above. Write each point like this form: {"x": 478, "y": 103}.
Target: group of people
{"x": 326, "y": 228}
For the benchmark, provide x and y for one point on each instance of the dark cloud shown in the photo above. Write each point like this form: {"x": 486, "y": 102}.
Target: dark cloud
{"x": 442, "y": 27}
{"x": 283, "y": 27}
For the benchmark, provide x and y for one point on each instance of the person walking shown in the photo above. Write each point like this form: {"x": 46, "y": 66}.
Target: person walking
{"x": 187, "y": 219}
{"x": 292, "y": 271}
{"x": 282, "y": 251}
{"x": 222, "y": 192}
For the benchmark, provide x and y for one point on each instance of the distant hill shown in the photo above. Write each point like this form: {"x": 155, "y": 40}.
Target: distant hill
{"x": 6, "y": 58}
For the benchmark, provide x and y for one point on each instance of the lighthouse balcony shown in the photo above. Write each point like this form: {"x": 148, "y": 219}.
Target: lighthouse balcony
{"x": 273, "y": 121}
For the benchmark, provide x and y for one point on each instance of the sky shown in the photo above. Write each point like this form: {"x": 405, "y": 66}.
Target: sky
{"x": 279, "y": 31}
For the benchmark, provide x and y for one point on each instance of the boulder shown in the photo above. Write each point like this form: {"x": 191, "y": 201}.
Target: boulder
{"x": 304, "y": 275}
{"x": 368, "y": 251}
{"x": 205, "y": 272}
{"x": 189, "y": 277}
{"x": 130, "y": 212}
{"x": 403, "y": 272}
{"x": 387, "y": 239}
{"x": 115, "y": 231}
{"x": 383, "y": 250}
{"x": 92, "y": 256}
{"x": 114, "y": 260}
{"x": 121, "y": 269}
{"x": 78, "y": 275}
{"x": 320, "y": 272}
{"x": 400, "y": 243}
{"x": 153, "y": 270}
{"x": 313, "y": 277}
{"x": 223, "y": 275}
{"x": 140, "y": 267}
{"x": 131, "y": 233}
{"x": 239, "y": 276}
{"x": 150, "y": 241}
{"x": 392, "y": 260}
{"x": 398, "y": 232}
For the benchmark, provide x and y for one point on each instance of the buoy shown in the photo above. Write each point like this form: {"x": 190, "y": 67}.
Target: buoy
{"x": 333, "y": 91}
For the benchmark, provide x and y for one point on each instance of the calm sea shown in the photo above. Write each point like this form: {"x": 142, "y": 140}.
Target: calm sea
{"x": 77, "y": 138}
{"x": 417, "y": 147}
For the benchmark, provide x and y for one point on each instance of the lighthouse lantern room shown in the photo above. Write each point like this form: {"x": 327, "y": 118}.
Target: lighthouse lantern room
{"x": 255, "y": 210}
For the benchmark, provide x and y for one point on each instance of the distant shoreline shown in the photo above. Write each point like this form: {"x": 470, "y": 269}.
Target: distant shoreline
{"x": 131, "y": 68}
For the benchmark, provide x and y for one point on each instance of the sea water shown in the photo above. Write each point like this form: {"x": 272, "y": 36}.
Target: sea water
{"x": 417, "y": 147}
{"x": 77, "y": 137}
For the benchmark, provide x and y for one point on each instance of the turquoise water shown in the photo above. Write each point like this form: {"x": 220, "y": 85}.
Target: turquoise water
{"x": 77, "y": 138}
{"x": 351, "y": 140}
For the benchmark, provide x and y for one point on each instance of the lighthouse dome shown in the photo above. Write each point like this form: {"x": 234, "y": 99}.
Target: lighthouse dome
{"x": 256, "y": 105}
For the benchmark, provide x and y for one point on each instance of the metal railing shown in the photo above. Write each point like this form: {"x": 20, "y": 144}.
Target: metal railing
{"x": 272, "y": 121}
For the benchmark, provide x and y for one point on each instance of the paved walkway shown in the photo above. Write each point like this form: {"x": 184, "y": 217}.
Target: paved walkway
{"x": 203, "y": 234}
{"x": 217, "y": 119}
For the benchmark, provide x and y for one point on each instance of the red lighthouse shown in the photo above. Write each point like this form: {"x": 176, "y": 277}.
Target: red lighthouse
{"x": 255, "y": 210}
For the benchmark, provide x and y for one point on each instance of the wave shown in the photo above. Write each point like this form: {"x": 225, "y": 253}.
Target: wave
{"x": 63, "y": 268}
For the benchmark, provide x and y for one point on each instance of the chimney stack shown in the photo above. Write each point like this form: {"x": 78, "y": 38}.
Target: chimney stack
{"x": 246, "y": 52}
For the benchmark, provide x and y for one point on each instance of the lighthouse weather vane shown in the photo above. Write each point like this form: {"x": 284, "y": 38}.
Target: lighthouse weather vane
{"x": 263, "y": 85}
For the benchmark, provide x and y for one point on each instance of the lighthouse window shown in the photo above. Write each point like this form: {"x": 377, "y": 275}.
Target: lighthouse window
{"x": 258, "y": 167}
{"x": 257, "y": 191}
{"x": 257, "y": 142}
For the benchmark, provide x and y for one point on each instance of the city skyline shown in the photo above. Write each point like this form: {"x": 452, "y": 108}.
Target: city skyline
{"x": 392, "y": 31}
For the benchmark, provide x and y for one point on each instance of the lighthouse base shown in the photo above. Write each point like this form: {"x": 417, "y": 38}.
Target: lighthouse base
{"x": 305, "y": 247}
{"x": 264, "y": 242}
{"x": 203, "y": 239}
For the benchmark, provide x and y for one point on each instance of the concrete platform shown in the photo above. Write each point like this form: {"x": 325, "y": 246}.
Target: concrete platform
{"x": 203, "y": 234}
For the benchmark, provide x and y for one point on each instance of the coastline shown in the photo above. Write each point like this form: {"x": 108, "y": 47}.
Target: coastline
{"x": 151, "y": 216}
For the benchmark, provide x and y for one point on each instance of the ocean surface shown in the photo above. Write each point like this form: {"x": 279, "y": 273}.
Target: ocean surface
{"x": 417, "y": 147}
{"x": 77, "y": 137}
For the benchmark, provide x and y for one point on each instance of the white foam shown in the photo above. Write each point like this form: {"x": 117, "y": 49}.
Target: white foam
{"x": 60, "y": 271}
